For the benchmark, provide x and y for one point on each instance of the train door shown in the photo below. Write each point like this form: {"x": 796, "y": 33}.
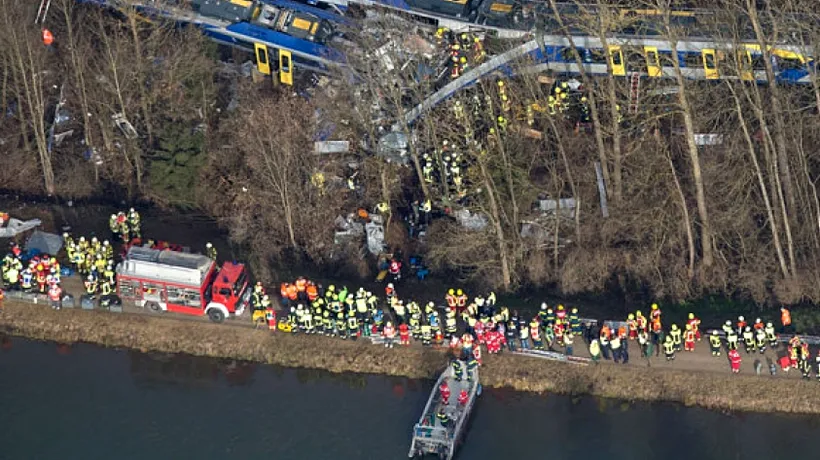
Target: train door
{"x": 616, "y": 60}
{"x": 653, "y": 65}
{"x": 710, "y": 64}
{"x": 285, "y": 68}
{"x": 262, "y": 62}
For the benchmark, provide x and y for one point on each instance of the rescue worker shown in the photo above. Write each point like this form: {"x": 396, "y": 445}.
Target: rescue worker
{"x": 569, "y": 349}
{"x": 760, "y": 340}
{"x": 472, "y": 364}
{"x": 595, "y": 351}
{"x": 55, "y": 295}
{"x": 669, "y": 348}
{"x": 575, "y": 322}
{"x": 113, "y": 224}
{"x": 105, "y": 288}
{"x": 426, "y": 335}
{"x": 695, "y": 323}
{"x": 714, "y": 343}
{"x": 805, "y": 368}
{"x": 675, "y": 333}
{"x": 26, "y": 279}
{"x": 458, "y": 370}
{"x": 735, "y": 360}
{"x": 107, "y": 250}
{"x": 318, "y": 317}
{"x": 816, "y": 359}
{"x": 524, "y": 335}
{"x": 450, "y": 298}
{"x": 655, "y": 315}
{"x": 603, "y": 339}
{"x": 134, "y": 223}
{"x": 748, "y": 340}
{"x": 511, "y": 333}
{"x": 770, "y": 335}
{"x": 353, "y": 326}
{"x": 786, "y": 319}
{"x": 444, "y": 391}
{"x": 727, "y": 327}
{"x": 270, "y": 316}
{"x": 632, "y": 325}
{"x": 442, "y": 417}
{"x": 389, "y": 334}
{"x": 463, "y": 397}
{"x": 731, "y": 339}
{"x": 550, "y": 318}
{"x": 689, "y": 338}
{"x": 535, "y": 333}
{"x": 644, "y": 343}
{"x": 90, "y": 286}
{"x": 615, "y": 345}
{"x": 341, "y": 324}
{"x": 741, "y": 325}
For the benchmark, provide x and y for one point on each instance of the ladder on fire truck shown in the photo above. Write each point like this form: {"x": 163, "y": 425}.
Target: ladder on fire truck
{"x": 42, "y": 12}
{"x": 634, "y": 92}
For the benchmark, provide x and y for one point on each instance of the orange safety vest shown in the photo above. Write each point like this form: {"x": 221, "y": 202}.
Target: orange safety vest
{"x": 48, "y": 38}
{"x": 622, "y": 332}
{"x": 786, "y": 317}
{"x": 606, "y": 332}
{"x": 292, "y": 293}
{"x": 312, "y": 292}
{"x": 283, "y": 289}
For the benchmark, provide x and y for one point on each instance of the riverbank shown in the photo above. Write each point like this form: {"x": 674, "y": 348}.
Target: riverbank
{"x": 710, "y": 390}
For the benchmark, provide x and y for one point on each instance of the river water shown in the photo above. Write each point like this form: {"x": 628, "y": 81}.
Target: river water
{"x": 89, "y": 403}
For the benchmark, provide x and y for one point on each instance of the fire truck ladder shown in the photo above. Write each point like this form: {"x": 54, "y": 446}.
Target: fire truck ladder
{"x": 634, "y": 92}
{"x": 42, "y": 12}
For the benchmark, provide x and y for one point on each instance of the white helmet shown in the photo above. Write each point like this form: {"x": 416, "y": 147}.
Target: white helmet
{"x": 740, "y": 318}
{"x": 82, "y": 238}
{"x": 106, "y": 243}
{"x": 390, "y": 285}
{"x": 131, "y": 210}
{"x": 95, "y": 240}
{"x": 543, "y": 305}
{"x": 369, "y": 293}
{"x": 209, "y": 245}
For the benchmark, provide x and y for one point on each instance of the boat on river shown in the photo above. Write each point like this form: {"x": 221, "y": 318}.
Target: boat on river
{"x": 430, "y": 437}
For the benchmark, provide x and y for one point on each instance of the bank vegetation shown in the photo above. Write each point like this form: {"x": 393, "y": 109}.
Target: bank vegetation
{"x": 715, "y": 391}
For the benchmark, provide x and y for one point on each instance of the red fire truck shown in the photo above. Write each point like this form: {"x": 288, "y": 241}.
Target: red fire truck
{"x": 182, "y": 283}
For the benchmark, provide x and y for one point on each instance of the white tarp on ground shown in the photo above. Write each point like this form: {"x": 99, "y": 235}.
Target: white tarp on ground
{"x": 17, "y": 226}
{"x": 470, "y": 221}
{"x": 46, "y": 243}
{"x": 375, "y": 237}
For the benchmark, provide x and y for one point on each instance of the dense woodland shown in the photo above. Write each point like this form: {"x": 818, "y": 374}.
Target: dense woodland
{"x": 738, "y": 218}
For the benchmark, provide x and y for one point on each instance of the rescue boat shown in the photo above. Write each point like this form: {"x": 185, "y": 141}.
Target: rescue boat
{"x": 430, "y": 436}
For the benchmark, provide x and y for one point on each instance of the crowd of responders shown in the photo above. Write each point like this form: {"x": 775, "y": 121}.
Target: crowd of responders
{"x": 459, "y": 323}
{"x": 469, "y": 325}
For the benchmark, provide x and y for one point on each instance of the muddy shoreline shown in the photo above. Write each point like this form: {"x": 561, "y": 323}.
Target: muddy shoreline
{"x": 710, "y": 390}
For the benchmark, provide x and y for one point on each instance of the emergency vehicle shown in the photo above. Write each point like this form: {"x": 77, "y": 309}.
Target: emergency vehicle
{"x": 183, "y": 283}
